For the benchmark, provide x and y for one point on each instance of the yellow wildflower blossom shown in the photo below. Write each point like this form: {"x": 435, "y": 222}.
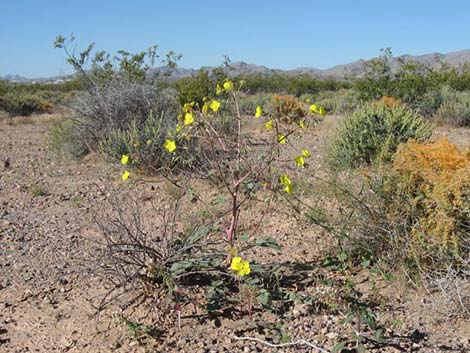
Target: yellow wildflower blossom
{"x": 187, "y": 107}
{"x": 282, "y": 139}
{"x": 218, "y": 89}
{"x": 299, "y": 161}
{"x": 170, "y": 146}
{"x": 286, "y": 182}
{"x": 214, "y": 105}
{"x": 125, "y": 175}
{"x": 149, "y": 142}
{"x": 288, "y": 189}
{"x": 269, "y": 125}
{"x": 258, "y": 112}
{"x": 228, "y": 85}
{"x": 302, "y": 124}
{"x": 322, "y": 111}
{"x": 240, "y": 266}
{"x": 124, "y": 159}
{"x": 188, "y": 119}
{"x": 205, "y": 108}
{"x": 313, "y": 109}
{"x": 306, "y": 153}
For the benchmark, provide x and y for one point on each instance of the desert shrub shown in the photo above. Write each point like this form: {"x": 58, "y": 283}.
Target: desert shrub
{"x": 411, "y": 215}
{"x": 288, "y": 108}
{"x": 114, "y": 106}
{"x": 339, "y": 102}
{"x": 388, "y": 101}
{"x": 118, "y": 93}
{"x": 455, "y": 109}
{"x": 196, "y": 88}
{"x": 248, "y": 102}
{"x": 433, "y": 99}
{"x": 17, "y": 103}
{"x": 144, "y": 142}
{"x": 62, "y": 141}
{"x": 436, "y": 175}
{"x": 373, "y": 133}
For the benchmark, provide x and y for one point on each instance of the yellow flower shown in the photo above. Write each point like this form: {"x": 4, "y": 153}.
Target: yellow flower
{"x": 124, "y": 159}
{"x": 170, "y": 146}
{"x": 258, "y": 112}
{"x": 288, "y": 189}
{"x": 240, "y": 266}
{"x": 125, "y": 175}
{"x": 187, "y": 106}
{"x": 302, "y": 124}
{"x": 149, "y": 142}
{"x": 313, "y": 108}
{"x": 236, "y": 263}
{"x": 282, "y": 139}
{"x": 214, "y": 105}
{"x": 299, "y": 161}
{"x": 205, "y": 108}
{"x": 228, "y": 85}
{"x": 306, "y": 153}
{"x": 322, "y": 111}
{"x": 245, "y": 269}
{"x": 269, "y": 125}
{"x": 188, "y": 119}
{"x": 286, "y": 182}
{"x": 219, "y": 89}
{"x": 178, "y": 129}
{"x": 307, "y": 100}
{"x": 137, "y": 144}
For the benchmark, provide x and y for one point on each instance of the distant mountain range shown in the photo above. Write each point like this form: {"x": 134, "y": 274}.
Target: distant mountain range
{"x": 354, "y": 69}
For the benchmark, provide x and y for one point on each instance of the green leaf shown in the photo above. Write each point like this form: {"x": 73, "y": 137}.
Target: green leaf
{"x": 181, "y": 267}
{"x": 268, "y": 242}
{"x": 339, "y": 347}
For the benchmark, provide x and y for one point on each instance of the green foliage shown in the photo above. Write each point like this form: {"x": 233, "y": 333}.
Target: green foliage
{"x": 291, "y": 84}
{"x": 196, "y": 89}
{"x": 411, "y": 82}
{"x": 248, "y": 103}
{"x": 17, "y": 103}
{"x": 373, "y": 133}
{"x": 63, "y": 142}
{"x": 145, "y": 144}
{"x": 454, "y": 109}
{"x": 344, "y": 101}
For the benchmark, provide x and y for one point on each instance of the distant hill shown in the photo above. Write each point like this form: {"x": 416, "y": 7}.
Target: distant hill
{"x": 353, "y": 69}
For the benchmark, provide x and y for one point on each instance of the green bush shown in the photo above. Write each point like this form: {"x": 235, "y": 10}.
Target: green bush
{"x": 196, "y": 88}
{"x": 343, "y": 101}
{"x": 373, "y": 133}
{"x": 248, "y": 103}
{"x": 18, "y": 103}
{"x": 454, "y": 108}
{"x": 145, "y": 145}
{"x": 63, "y": 142}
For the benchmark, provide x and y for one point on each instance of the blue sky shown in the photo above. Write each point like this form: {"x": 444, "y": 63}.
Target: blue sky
{"x": 278, "y": 34}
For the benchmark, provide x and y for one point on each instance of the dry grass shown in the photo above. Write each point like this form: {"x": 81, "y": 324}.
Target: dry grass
{"x": 33, "y": 119}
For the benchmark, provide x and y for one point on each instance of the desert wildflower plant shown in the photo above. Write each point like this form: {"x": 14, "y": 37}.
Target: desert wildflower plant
{"x": 241, "y": 172}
